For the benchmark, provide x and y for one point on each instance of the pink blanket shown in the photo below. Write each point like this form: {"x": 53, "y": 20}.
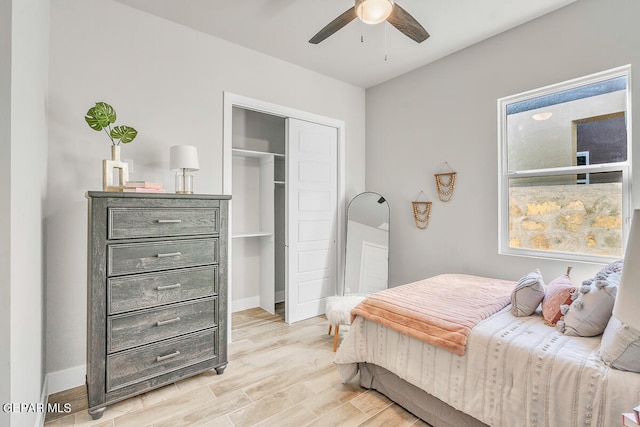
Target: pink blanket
{"x": 440, "y": 310}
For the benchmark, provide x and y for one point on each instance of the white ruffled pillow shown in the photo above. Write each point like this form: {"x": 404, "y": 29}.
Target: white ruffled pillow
{"x": 589, "y": 313}
{"x": 527, "y": 294}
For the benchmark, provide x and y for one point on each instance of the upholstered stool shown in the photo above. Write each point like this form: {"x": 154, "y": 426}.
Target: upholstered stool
{"x": 338, "y": 312}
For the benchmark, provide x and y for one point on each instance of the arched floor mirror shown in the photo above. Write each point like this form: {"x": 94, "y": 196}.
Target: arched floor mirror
{"x": 367, "y": 247}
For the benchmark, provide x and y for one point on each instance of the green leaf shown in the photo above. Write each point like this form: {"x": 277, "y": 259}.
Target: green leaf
{"x": 125, "y": 134}
{"x": 100, "y": 116}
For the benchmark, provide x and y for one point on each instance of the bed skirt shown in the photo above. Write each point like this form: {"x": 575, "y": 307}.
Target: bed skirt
{"x": 417, "y": 401}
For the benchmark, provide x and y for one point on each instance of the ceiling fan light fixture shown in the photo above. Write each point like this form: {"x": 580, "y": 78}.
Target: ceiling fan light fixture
{"x": 542, "y": 116}
{"x": 373, "y": 11}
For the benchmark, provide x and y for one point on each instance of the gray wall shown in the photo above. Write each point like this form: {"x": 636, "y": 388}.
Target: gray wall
{"x": 23, "y": 89}
{"x": 167, "y": 81}
{"x": 447, "y": 111}
{"x": 5, "y": 208}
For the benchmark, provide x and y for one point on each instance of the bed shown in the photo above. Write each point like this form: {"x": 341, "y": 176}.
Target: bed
{"x": 511, "y": 370}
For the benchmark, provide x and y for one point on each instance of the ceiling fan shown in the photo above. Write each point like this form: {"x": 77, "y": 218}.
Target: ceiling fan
{"x": 374, "y": 12}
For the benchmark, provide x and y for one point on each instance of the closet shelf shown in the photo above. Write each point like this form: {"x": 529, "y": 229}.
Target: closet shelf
{"x": 255, "y": 234}
{"x": 240, "y": 152}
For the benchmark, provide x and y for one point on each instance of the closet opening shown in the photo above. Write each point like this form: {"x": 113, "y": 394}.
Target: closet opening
{"x": 258, "y": 217}
{"x": 284, "y": 171}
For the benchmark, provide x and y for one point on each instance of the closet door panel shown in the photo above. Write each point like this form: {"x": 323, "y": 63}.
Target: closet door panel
{"x": 312, "y": 217}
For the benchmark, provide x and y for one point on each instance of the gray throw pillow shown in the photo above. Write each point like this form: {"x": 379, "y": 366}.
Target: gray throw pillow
{"x": 527, "y": 294}
{"x": 589, "y": 314}
{"x": 620, "y": 346}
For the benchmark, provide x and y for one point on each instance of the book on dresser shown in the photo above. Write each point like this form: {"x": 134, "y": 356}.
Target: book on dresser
{"x": 156, "y": 292}
{"x": 143, "y": 190}
{"x": 142, "y": 187}
{"x": 142, "y": 184}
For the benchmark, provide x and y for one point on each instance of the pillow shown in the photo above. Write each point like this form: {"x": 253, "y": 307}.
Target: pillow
{"x": 614, "y": 267}
{"x": 589, "y": 313}
{"x": 527, "y": 294}
{"x": 620, "y": 346}
{"x": 557, "y": 293}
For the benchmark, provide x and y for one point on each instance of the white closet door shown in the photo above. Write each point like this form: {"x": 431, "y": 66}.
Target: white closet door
{"x": 312, "y": 184}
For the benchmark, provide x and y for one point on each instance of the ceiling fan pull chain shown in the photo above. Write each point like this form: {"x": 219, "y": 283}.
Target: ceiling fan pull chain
{"x": 385, "y": 42}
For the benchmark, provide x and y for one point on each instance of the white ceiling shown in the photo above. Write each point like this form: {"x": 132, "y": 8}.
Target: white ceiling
{"x": 282, "y": 28}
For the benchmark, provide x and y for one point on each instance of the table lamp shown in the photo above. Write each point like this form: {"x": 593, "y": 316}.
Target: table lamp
{"x": 620, "y": 344}
{"x": 628, "y": 297}
{"x": 183, "y": 159}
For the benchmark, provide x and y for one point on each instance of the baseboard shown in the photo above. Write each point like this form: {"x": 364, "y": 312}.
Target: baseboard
{"x": 55, "y": 382}
{"x": 280, "y": 296}
{"x": 245, "y": 304}
{"x": 44, "y": 398}
{"x": 64, "y": 380}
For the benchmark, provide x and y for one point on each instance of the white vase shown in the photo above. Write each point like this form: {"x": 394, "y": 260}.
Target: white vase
{"x": 108, "y": 170}
{"x": 115, "y": 152}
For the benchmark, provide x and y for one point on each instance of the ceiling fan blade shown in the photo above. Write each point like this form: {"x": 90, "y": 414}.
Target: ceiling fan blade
{"x": 407, "y": 24}
{"x": 334, "y": 25}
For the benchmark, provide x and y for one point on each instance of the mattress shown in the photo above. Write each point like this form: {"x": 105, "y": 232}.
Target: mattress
{"x": 516, "y": 371}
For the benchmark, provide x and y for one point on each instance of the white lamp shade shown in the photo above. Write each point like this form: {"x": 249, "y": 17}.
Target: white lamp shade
{"x": 373, "y": 11}
{"x": 627, "y": 305}
{"x": 183, "y": 157}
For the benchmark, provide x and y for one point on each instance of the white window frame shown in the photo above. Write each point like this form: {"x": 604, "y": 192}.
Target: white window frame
{"x": 504, "y": 175}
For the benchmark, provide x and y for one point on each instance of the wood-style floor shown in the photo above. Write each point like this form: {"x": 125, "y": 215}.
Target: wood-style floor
{"x": 278, "y": 375}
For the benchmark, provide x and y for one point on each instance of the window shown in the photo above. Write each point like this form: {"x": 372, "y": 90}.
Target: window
{"x": 565, "y": 169}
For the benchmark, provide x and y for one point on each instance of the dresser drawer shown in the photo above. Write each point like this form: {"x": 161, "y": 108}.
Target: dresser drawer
{"x": 126, "y": 223}
{"x": 131, "y": 366}
{"x": 128, "y": 258}
{"x": 148, "y": 290}
{"x": 144, "y": 327}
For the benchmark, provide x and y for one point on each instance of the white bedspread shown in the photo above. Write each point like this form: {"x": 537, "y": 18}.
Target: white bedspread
{"x": 517, "y": 371}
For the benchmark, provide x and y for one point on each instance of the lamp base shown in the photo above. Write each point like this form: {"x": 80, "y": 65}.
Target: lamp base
{"x": 184, "y": 183}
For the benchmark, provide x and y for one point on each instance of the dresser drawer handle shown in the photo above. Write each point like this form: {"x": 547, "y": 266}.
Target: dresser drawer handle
{"x": 168, "y": 356}
{"x": 170, "y": 254}
{"x": 169, "y": 221}
{"x": 164, "y": 288}
{"x": 166, "y": 322}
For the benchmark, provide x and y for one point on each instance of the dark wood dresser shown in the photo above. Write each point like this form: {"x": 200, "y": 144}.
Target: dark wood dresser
{"x": 156, "y": 291}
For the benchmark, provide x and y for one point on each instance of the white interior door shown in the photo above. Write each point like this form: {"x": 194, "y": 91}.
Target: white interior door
{"x": 312, "y": 200}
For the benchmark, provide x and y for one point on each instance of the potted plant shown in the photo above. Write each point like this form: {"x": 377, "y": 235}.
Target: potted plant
{"x": 101, "y": 117}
